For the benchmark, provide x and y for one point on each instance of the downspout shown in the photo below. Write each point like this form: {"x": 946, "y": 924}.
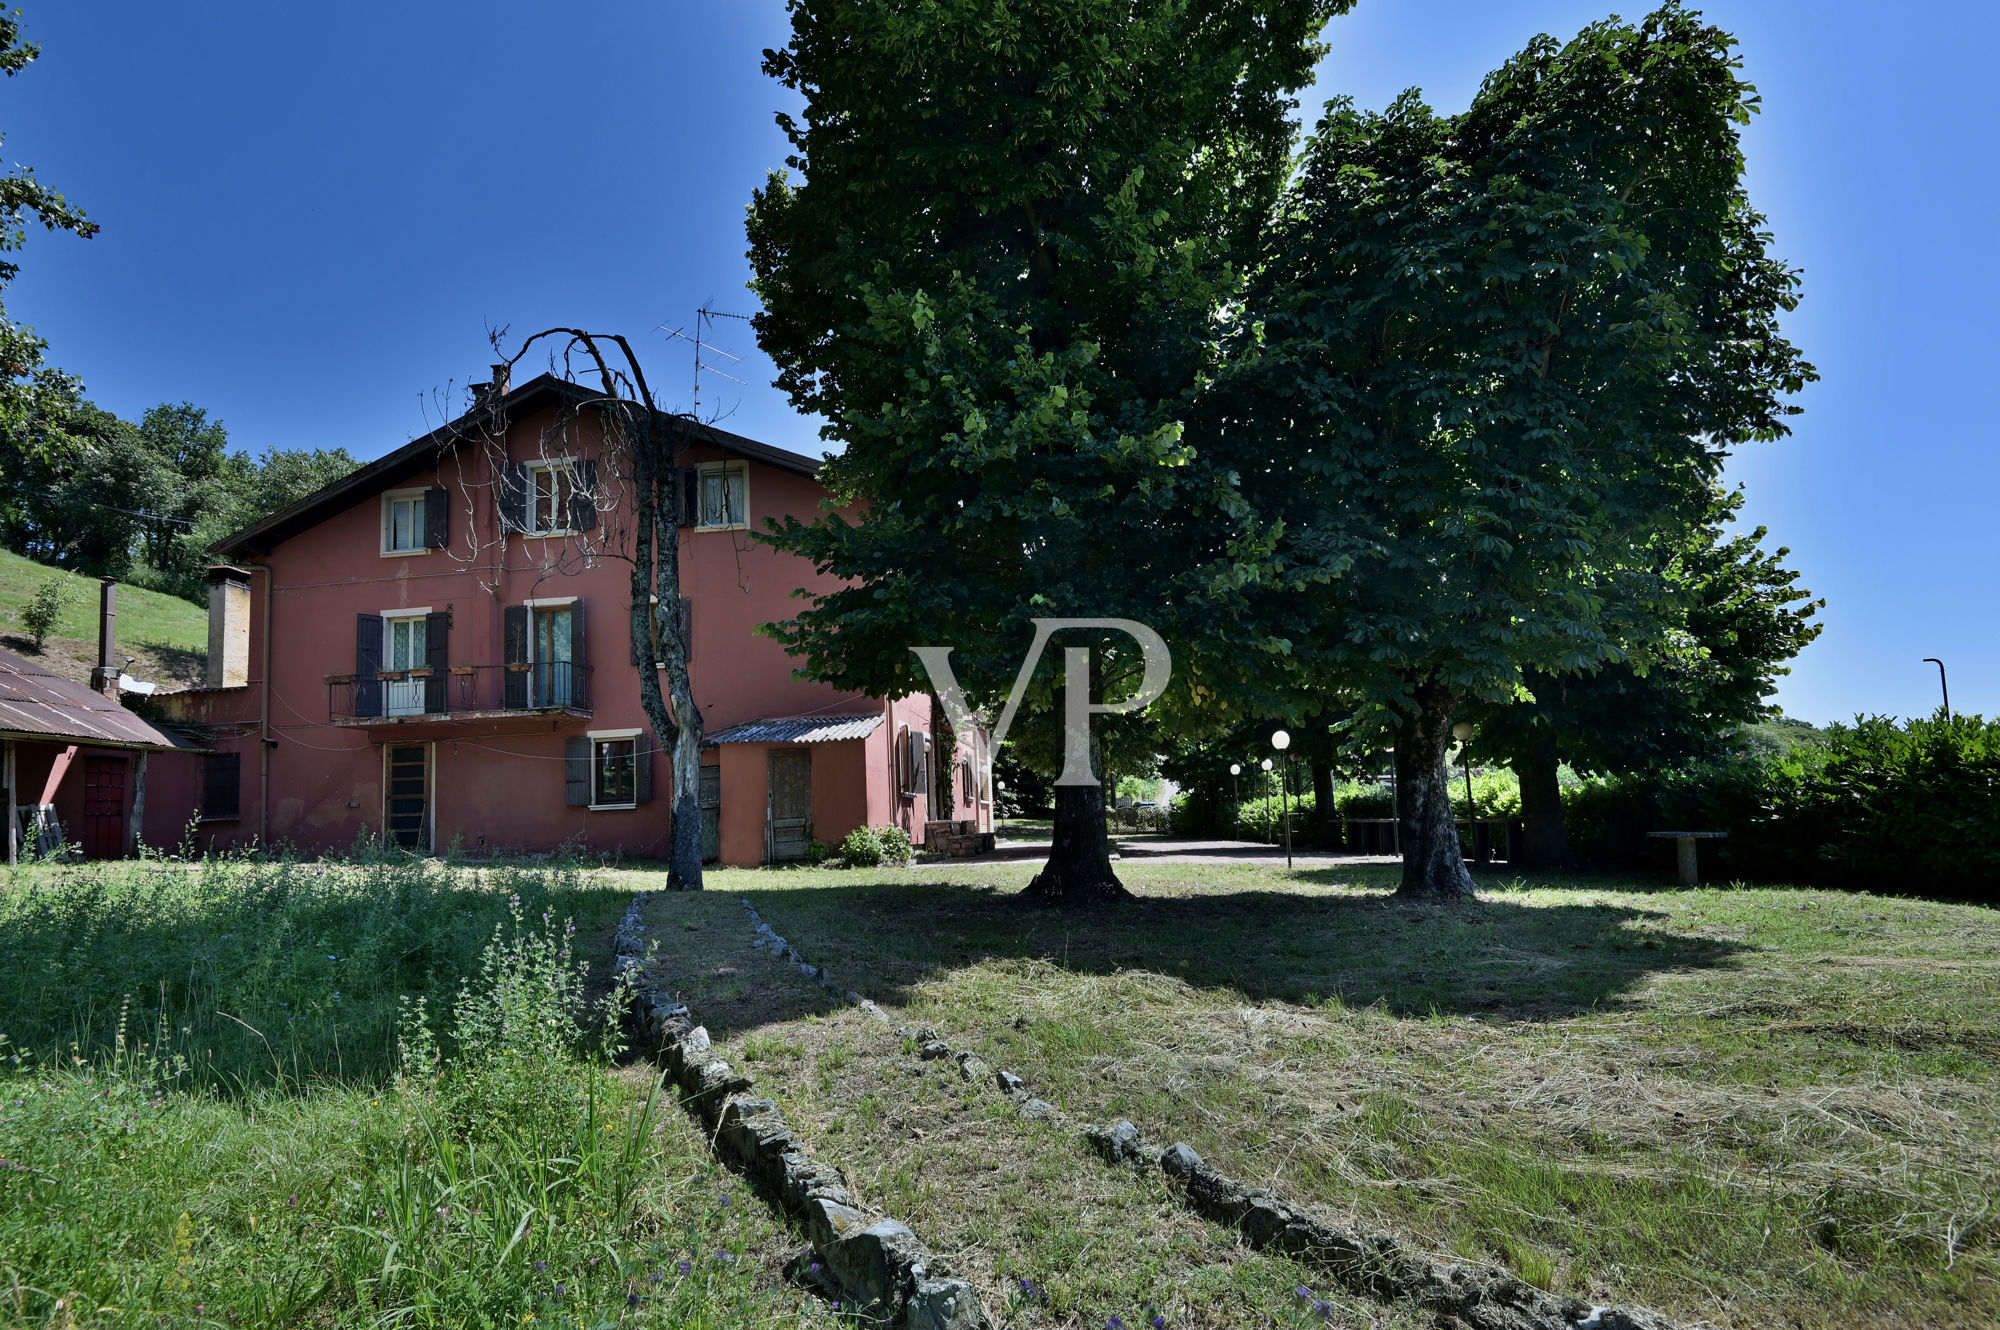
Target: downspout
{"x": 264, "y": 741}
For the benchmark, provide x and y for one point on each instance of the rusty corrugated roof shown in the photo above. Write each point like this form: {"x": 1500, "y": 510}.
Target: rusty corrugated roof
{"x": 38, "y": 703}
{"x": 799, "y": 730}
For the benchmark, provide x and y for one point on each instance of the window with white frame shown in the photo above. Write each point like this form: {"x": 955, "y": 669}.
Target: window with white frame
{"x": 614, "y": 771}
{"x": 403, "y": 523}
{"x": 725, "y": 496}
{"x": 551, "y": 491}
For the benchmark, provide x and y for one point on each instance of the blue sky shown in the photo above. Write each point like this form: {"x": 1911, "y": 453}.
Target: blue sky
{"x": 312, "y": 214}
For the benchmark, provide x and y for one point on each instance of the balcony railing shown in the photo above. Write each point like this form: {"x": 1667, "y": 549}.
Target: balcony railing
{"x": 459, "y": 690}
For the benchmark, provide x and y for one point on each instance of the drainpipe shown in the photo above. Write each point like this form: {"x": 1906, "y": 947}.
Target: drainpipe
{"x": 264, "y": 741}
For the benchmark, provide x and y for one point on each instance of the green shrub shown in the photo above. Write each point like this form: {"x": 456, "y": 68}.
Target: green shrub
{"x": 818, "y": 852}
{"x": 861, "y": 848}
{"x": 895, "y": 842}
{"x": 1893, "y": 806}
{"x": 44, "y": 609}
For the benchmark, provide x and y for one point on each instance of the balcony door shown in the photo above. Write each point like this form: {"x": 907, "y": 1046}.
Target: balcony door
{"x": 408, "y": 649}
{"x": 554, "y": 656}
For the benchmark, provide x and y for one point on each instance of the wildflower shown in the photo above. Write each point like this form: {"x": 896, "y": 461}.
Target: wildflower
{"x": 725, "y": 1198}
{"x": 656, "y": 1276}
{"x": 1114, "y": 1324}
{"x": 1159, "y": 1322}
{"x": 684, "y": 1266}
{"x": 633, "y": 1299}
{"x": 294, "y": 1200}
{"x": 539, "y": 1265}
{"x": 561, "y": 1289}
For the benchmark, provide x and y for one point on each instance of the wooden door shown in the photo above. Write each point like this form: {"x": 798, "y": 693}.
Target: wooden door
{"x": 104, "y": 822}
{"x": 791, "y": 803}
{"x": 409, "y": 797}
{"x": 711, "y": 814}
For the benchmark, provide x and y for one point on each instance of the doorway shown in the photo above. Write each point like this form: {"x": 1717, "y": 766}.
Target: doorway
{"x": 104, "y": 824}
{"x": 711, "y": 814}
{"x": 407, "y": 805}
{"x": 791, "y": 804}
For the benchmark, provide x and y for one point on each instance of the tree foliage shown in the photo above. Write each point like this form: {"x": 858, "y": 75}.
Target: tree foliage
{"x": 999, "y": 280}
{"x": 1491, "y": 359}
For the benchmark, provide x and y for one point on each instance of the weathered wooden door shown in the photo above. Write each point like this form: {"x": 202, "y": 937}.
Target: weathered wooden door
{"x": 409, "y": 801}
{"x": 791, "y": 803}
{"x": 104, "y": 822}
{"x": 711, "y": 814}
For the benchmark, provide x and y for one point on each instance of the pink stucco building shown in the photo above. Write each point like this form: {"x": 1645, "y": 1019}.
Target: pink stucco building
{"x": 438, "y": 647}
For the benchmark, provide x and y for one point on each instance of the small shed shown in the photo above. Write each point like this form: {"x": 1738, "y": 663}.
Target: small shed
{"x": 74, "y": 763}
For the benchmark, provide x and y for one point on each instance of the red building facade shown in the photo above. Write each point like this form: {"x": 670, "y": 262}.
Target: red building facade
{"x": 438, "y": 649}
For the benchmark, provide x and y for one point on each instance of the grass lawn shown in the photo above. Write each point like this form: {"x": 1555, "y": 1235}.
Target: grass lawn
{"x": 167, "y": 634}
{"x": 222, "y": 1104}
{"x": 1755, "y": 1106}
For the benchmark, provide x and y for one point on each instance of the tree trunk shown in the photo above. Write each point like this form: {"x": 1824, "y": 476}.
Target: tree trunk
{"x": 1433, "y": 862}
{"x": 1545, "y": 840}
{"x": 1079, "y": 868}
{"x": 1329, "y": 823}
{"x": 657, "y": 636}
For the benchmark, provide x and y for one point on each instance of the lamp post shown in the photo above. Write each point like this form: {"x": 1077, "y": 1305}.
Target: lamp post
{"x": 1235, "y": 802}
{"x": 1933, "y": 660}
{"x": 1282, "y": 741}
{"x": 1267, "y": 784}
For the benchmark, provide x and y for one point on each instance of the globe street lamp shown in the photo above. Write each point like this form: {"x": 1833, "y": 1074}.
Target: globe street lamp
{"x": 1235, "y": 802}
{"x": 1463, "y": 733}
{"x": 1266, "y": 764}
{"x": 1282, "y": 741}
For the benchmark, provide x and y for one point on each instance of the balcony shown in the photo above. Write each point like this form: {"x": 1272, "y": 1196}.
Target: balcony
{"x": 461, "y": 692}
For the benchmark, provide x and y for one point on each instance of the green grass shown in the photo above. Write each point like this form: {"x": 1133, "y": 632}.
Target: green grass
{"x": 145, "y": 617}
{"x": 243, "y": 1093}
{"x": 1754, "y": 1105}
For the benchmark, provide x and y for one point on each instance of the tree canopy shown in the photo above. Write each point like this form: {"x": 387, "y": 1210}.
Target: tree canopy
{"x": 1489, "y": 361}
{"x": 1000, "y": 280}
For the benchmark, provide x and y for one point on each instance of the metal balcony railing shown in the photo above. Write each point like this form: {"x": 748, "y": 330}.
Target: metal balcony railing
{"x": 558, "y": 685}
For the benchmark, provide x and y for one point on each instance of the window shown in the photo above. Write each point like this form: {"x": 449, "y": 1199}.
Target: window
{"x": 221, "y": 786}
{"x": 551, "y": 487}
{"x": 403, "y": 524}
{"x": 408, "y": 648}
{"x": 552, "y": 651}
{"x": 725, "y": 496}
{"x": 614, "y": 773}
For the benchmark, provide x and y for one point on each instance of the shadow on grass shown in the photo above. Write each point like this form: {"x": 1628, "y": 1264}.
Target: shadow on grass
{"x": 1500, "y": 958}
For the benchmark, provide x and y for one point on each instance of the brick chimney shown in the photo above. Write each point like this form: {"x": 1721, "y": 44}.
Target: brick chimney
{"x": 228, "y": 628}
{"x": 502, "y": 380}
{"x": 105, "y": 677}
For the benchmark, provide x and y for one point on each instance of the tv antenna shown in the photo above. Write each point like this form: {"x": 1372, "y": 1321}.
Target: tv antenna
{"x": 703, "y": 329}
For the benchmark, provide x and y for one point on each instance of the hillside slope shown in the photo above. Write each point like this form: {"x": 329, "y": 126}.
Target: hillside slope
{"x": 169, "y": 636}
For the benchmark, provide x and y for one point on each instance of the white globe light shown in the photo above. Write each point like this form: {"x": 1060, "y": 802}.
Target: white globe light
{"x": 1281, "y": 741}
{"x": 1267, "y": 764}
{"x": 1235, "y": 768}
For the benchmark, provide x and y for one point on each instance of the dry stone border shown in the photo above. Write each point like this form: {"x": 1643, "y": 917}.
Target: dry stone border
{"x": 1462, "y": 1295}
{"x": 879, "y": 1266}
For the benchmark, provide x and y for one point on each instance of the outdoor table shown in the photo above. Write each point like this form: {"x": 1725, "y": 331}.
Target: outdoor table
{"x": 1684, "y": 848}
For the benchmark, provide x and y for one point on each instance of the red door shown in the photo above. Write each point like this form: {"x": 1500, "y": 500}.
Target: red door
{"x": 104, "y": 822}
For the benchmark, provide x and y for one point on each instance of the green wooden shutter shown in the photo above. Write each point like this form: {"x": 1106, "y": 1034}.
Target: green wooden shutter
{"x": 367, "y": 664}
{"x": 642, "y": 768}
{"x": 579, "y": 664}
{"x": 514, "y": 497}
{"x": 437, "y": 519}
{"x": 437, "y": 656}
{"x": 583, "y": 497}
{"x": 576, "y": 770}
{"x": 514, "y": 683}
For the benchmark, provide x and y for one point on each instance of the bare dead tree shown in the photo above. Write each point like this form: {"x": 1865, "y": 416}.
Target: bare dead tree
{"x": 635, "y": 506}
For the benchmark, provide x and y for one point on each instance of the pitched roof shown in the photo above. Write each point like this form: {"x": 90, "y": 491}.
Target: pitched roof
{"x": 798, "y": 730}
{"x": 38, "y": 703}
{"x": 423, "y": 454}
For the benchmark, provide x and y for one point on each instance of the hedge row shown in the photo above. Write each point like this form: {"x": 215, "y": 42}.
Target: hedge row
{"x": 1892, "y": 806}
